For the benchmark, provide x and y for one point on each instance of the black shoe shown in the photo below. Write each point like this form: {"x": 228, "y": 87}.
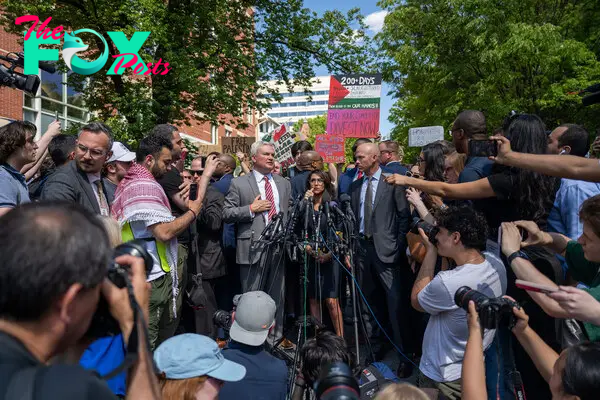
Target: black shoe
{"x": 405, "y": 369}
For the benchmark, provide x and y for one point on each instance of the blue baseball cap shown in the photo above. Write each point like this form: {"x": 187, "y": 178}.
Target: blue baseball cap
{"x": 191, "y": 355}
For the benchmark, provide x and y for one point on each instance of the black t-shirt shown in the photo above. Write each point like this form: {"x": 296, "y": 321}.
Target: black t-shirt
{"x": 170, "y": 183}
{"x": 54, "y": 382}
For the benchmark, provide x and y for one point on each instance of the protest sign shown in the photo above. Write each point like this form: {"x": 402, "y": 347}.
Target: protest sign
{"x": 419, "y": 137}
{"x": 354, "y": 105}
{"x": 232, "y": 145}
{"x": 283, "y": 141}
{"x": 206, "y": 149}
{"x": 331, "y": 148}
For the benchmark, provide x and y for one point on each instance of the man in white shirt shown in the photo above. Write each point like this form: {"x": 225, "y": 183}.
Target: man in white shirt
{"x": 462, "y": 238}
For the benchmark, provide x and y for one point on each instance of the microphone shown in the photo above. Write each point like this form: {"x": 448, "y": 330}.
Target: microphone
{"x": 309, "y": 208}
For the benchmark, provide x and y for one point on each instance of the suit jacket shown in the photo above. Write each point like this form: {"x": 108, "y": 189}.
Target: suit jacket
{"x": 209, "y": 235}
{"x": 395, "y": 168}
{"x": 242, "y": 192}
{"x": 69, "y": 183}
{"x": 344, "y": 182}
{"x": 391, "y": 219}
{"x": 222, "y": 185}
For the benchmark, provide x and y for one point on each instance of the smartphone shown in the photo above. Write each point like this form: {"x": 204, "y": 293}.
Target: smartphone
{"x": 193, "y": 191}
{"x": 535, "y": 287}
{"x": 483, "y": 148}
{"x": 56, "y": 115}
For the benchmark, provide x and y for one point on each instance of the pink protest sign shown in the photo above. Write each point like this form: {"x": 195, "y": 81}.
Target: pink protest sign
{"x": 331, "y": 148}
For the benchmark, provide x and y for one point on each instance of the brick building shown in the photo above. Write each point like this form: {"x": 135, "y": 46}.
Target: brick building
{"x": 54, "y": 96}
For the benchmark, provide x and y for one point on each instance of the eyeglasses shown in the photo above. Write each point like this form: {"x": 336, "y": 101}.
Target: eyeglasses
{"x": 196, "y": 172}
{"x": 94, "y": 153}
{"x": 413, "y": 174}
{"x": 317, "y": 180}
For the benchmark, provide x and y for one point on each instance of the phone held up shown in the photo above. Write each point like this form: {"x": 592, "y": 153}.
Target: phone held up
{"x": 193, "y": 191}
{"x": 483, "y": 148}
{"x": 535, "y": 287}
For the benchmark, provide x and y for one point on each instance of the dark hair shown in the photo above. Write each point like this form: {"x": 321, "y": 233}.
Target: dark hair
{"x": 164, "y": 130}
{"x": 152, "y": 145}
{"x": 590, "y": 213}
{"x": 358, "y": 143}
{"x": 533, "y": 193}
{"x": 12, "y": 137}
{"x": 581, "y": 375}
{"x": 576, "y": 137}
{"x": 60, "y": 147}
{"x": 324, "y": 348}
{"x": 98, "y": 127}
{"x": 326, "y": 179}
{"x": 433, "y": 154}
{"x": 46, "y": 248}
{"x": 447, "y": 147}
{"x": 472, "y": 122}
{"x": 471, "y": 225}
{"x": 301, "y": 145}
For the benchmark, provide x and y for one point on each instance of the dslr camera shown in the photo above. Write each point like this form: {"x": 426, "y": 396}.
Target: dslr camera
{"x": 336, "y": 382}
{"x": 224, "y": 319}
{"x": 493, "y": 312}
{"x": 430, "y": 230}
{"x": 103, "y": 324}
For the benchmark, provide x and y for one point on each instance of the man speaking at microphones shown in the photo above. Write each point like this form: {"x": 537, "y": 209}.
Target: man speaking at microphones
{"x": 251, "y": 204}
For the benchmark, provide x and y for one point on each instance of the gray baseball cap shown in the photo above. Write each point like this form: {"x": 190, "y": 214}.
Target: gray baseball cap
{"x": 254, "y": 316}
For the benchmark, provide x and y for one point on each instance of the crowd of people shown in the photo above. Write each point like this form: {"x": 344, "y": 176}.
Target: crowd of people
{"x": 237, "y": 232}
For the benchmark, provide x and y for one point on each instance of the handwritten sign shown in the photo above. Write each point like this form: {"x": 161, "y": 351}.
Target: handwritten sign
{"x": 419, "y": 137}
{"x": 232, "y": 145}
{"x": 206, "y": 149}
{"x": 354, "y": 105}
{"x": 331, "y": 148}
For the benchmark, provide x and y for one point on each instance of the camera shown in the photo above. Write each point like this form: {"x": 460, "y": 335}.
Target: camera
{"x": 11, "y": 78}
{"x": 103, "y": 324}
{"x": 223, "y": 319}
{"x": 493, "y": 312}
{"x": 430, "y": 230}
{"x": 336, "y": 382}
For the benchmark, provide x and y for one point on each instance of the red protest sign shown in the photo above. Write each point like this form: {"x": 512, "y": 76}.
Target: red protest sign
{"x": 331, "y": 148}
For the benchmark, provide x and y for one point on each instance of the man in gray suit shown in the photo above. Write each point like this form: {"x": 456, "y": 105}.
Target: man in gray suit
{"x": 80, "y": 181}
{"x": 383, "y": 219}
{"x": 252, "y": 201}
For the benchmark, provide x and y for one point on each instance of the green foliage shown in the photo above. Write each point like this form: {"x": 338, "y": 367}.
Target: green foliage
{"x": 220, "y": 52}
{"x": 444, "y": 56}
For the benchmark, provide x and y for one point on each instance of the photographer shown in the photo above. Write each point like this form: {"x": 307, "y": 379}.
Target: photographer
{"x": 55, "y": 260}
{"x": 462, "y": 237}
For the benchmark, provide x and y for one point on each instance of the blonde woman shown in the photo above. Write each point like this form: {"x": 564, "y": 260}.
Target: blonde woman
{"x": 401, "y": 391}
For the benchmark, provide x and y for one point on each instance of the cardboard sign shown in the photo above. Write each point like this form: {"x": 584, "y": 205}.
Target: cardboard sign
{"x": 283, "y": 141}
{"x": 331, "y": 148}
{"x": 419, "y": 137}
{"x": 232, "y": 145}
{"x": 354, "y": 105}
{"x": 206, "y": 149}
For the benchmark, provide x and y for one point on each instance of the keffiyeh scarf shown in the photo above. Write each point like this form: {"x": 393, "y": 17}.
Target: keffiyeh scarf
{"x": 139, "y": 197}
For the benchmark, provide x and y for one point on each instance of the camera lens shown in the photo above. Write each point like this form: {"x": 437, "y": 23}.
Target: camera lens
{"x": 464, "y": 294}
{"x": 337, "y": 383}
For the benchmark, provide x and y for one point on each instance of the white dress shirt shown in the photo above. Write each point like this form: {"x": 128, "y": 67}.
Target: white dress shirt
{"x": 260, "y": 181}
{"x": 363, "y": 193}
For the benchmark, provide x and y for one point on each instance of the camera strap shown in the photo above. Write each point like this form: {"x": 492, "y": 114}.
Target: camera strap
{"x": 133, "y": 345}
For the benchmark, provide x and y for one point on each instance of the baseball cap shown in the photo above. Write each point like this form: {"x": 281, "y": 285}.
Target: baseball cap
{"x": 254, "y": 316}
{"x": 190, "y": 355}
{"x": 121, "y": 153}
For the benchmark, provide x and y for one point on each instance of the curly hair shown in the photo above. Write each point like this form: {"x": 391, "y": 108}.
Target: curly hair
{"x": 13, "y": 136}
{"x": 533, "y": 192}
{"x": 471, "y": 225}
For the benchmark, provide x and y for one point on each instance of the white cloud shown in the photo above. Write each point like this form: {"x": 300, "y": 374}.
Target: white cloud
{"x": 375, "y": 20}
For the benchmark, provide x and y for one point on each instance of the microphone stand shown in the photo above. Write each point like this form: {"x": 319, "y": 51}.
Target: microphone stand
{"x": 317, "y": 235}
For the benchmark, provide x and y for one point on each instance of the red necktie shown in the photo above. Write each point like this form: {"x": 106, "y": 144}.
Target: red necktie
{"x": 360, "y": 175}
{"x": 270, "y": 197}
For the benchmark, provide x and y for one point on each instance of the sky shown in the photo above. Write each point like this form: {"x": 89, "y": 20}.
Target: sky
{"x": 374, "y": 17}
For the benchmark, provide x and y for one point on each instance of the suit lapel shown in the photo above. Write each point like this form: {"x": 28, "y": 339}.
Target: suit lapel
{"x": 381, "y": 188}
{"x": 86, "y": 186}
{"x": 253, "y": 185}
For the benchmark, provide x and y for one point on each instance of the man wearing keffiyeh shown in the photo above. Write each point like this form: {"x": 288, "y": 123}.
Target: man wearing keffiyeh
{"x": 142, "y": 209}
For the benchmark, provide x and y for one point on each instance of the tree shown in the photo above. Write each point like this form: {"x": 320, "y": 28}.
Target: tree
{"x": 220, "y": 52}
{"x": 444, "y": 56}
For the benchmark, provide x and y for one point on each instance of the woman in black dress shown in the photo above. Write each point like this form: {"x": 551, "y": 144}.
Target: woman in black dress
{"x": 323, "y": 273}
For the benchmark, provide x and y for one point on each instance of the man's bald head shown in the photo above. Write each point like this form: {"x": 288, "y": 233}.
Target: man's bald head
{"x": 367, "y": 158}
{"x": 228, "y": 160}
{"x": 310, "y": 161}
{"x": 468, "y": 124}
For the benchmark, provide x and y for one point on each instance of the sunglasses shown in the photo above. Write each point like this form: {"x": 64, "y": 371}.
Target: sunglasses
{"x": 413, "y": 175}
{"x": 196, "y": 172}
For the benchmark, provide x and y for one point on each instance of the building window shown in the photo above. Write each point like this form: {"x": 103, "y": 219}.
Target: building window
{"x": 55, "y": 97}
{"x": 214, "y": 134}
{"x": 228, "y": 131}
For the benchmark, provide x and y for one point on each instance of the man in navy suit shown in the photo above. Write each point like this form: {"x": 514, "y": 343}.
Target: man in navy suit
{"x": 351, "y": 174}
{"x": 391, "y": 157}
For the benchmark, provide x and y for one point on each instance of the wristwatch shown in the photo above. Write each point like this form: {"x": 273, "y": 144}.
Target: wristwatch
{"x": 517, "y": 254}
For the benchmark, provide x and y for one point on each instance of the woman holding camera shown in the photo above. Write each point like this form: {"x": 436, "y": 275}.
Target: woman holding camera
{"x": 574, "y": 375}
{"x": 323, "y": 273}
